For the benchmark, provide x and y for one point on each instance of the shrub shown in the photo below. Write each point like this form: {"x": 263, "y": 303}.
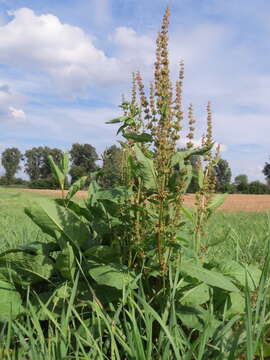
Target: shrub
{"x": 49, "y": 183}
{"x": 256, "y": 187}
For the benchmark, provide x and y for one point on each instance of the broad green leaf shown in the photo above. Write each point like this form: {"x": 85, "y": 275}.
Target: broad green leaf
{"x": 64, "y": 163}
{"x": 217, "y": 201}
{"x": 66, "y": 263}
{"x": 210, "y": 277}
{"x": 197, "y": 295}
{"x": 60, "y": 222}
{"x": 113, "y": 275}
{"x": 79, "y": 210}
{"x": 238, "y": 272}
{"x": 92, "y": 193}
{"x": 75, "y": 187}
{"x": 11, "y": 276}
{"x": 118, "y": 120}
{"x": 103, "y": 254}
{"x": 144, "y": 137}
{"x": 147, "y": 169}
{"x": 10, "y": 301}
{"x": 31, "y": 268}
{"x": 40, "y": 248}
{"x": 116, "y": 195}
{"x": 180, "y": 156}
{"x": 196, "y": 317}
{"x": 59, "y": 175}
{"x": 236, "y": 305}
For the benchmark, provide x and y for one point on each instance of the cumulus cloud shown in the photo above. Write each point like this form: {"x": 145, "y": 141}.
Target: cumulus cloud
{"x": 68, "y": 54}
{"x": 10, "y": 101}
{"x": 63, "y": 51}
{"x": 17, "y": 114}
{"x": 134, "y": 49}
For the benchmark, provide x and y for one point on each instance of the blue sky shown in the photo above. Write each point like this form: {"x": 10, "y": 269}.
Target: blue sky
{"x": 64, "y": 65}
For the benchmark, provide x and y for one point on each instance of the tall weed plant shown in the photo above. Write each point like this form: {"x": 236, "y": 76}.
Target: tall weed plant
{"x": 126, "y": 275}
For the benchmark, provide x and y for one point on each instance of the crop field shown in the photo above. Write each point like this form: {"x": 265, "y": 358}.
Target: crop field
{"x": 234, "y": 202}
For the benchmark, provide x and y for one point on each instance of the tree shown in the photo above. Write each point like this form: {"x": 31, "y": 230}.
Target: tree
{"x": 84, "y": 157}
{"x": 76, "y": 172}
{"x": 241, "y": 182}
{"x": 11, "y": 158}
{"x": 223, "y": 175}
{"x": 37, "y": 164}
{"x": 112, "y": 166}
{"x": 266, "y": 172}
{"x": 256, "y": 187}
{"x": 46, "y": 171}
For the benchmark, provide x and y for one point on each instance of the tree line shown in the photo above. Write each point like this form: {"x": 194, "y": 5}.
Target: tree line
{"x": 83, "y": 161}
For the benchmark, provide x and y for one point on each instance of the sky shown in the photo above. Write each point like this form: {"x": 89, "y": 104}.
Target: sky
{"x": 64, "y": 65}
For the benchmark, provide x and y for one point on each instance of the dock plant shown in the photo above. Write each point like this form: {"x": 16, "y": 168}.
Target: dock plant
{"x": 126, "y": 273}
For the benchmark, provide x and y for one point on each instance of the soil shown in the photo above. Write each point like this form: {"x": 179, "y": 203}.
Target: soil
{"x": 234, "y": 202}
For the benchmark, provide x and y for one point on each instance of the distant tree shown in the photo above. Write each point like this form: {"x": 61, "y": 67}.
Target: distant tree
{"x": 241, "y": 183}
{"x": 11, "y": 158}
{"x": 76, "y": 172}
{"x": 33, "y": 162}
{"x": 223, "y": 175}
{"x": 36, "y": 162}
{"x": 256, "y": 187}
{"x": 46, "y": 171}
{"x": 266, "y": 172}
{"x": 83, "y": 156}
{"x": 112, "y": 166}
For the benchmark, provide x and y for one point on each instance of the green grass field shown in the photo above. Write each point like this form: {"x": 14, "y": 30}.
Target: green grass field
{"x": 15, "y": 227}
{"x": 241, "y": 236}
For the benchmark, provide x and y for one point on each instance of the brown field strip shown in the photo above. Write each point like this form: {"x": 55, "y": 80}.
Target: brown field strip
{"x": 234, "y": 202}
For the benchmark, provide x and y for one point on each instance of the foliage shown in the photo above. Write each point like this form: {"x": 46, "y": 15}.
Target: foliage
{"x": 223, "y": 175}
{"x": 11, "y": 158}
{"x": 49, "y": 183}
{"x": 37, "y": 164}
{"x": 112, "y": 166}
{"x": 256, "y": 187}
{"x": 83, "y": 160}
{"x": 266, "y": 171}
{"x": 241, "y": 182}
{"x": 60, "y": 172}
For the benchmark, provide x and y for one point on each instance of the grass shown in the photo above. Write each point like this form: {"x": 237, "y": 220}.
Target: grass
{"x": 240, "y": 236}
{"x": 15, "y": 227}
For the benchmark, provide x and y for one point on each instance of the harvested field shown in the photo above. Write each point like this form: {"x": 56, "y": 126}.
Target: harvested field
{"x": 234, "y": 202}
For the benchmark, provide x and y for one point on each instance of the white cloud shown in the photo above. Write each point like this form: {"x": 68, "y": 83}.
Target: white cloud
{"x": 136, "y": 50}
{"x": 10, "y": 101}
{"x": 63, "y": 51}
{"x": 42, "y": 43}
{"x": 17, "y": 114}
